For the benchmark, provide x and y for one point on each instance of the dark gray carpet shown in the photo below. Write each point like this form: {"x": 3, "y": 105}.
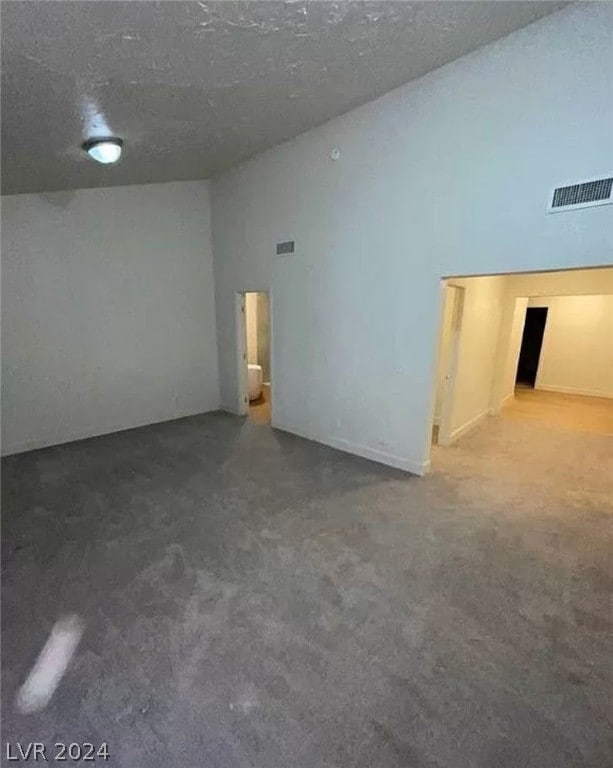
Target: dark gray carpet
{"x": 254, "y": 599}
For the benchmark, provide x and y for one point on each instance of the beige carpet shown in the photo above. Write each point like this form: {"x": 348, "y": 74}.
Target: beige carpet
{"x": 576, "y": 412}
{"x": 259, "y": 410}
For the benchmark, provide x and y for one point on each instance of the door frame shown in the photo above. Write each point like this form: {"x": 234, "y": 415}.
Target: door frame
{"x": 445, "y": 427}
{"x": 241, "y": 362}
{"x": 240, "y": 323}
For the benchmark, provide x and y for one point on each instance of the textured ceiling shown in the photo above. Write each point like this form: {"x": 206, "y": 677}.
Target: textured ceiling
{"x": 195, "y": 87}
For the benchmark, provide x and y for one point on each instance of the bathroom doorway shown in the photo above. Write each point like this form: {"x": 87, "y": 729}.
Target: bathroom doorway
{"x": 257, "y": 355}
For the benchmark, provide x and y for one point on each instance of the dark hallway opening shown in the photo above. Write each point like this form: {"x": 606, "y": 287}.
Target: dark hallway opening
{"x": 531, "y": 343}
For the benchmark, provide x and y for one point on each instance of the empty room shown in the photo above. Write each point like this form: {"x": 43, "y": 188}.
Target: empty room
{"x": 523, "y": 347}
{"x": 307, "y": 384}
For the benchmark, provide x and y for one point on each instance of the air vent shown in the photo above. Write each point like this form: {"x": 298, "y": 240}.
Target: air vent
{"x": 284, "y": 248}
{"x": 582, "y": 195}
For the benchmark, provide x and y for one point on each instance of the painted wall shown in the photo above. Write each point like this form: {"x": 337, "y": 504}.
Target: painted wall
{"x": 263, "y": 340}
{"x": 518, "y": 289}
{"x": 108, "y": 316}
{"x": 478, "y": 344}
{"x": 251, "y": 320}
{"x": 576, "y": 282}
{"x": 444, "y": 355}
{"x": 450, "y": 174}
{"x": 519, "y": 306}
{"x": 577, "y": 352}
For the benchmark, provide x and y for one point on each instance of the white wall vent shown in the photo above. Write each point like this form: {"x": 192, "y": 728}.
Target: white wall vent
{"x": 582, "y": 195}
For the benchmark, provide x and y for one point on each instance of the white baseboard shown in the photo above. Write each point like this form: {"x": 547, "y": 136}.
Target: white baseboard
{"x": 48, "y": 441}
{"x": 469, "y": 425}
{"x": 495, "y": 411}
{"x": 573, "y": 391}
{"x": 364, "y": 451}
{"x": 508, "y": 397}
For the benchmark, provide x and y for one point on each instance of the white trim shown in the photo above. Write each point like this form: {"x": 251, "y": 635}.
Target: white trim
{"x": 364, "y": 451}
{"x": 469, "y": 425}
{"x": 576, "y": 206}
{"x": 240, "y": 341}
{"x": 573, "y": 391}
{"x": 496, "y": 410}
{"x": 36, "y": 443}
{"x": 445, "y": 435}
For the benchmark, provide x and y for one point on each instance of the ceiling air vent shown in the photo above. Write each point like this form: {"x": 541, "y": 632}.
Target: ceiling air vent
{"x": 582, "y": 195}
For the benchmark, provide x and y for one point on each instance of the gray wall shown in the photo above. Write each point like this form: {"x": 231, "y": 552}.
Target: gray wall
{"x": 450, "y": 174}
{"x": 263, "y": 320}
{"x": 108, "y": 315}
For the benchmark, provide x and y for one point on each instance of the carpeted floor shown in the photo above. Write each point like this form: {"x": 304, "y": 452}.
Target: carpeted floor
{"x": 259, "y": 410}
{"x": 254, "y": 599}
{"x": 557, "y": 409}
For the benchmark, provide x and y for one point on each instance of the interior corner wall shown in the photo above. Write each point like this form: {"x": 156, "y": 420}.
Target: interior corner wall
{"x": 577, "y": 352}
{"x": 108, "y": 315}
{"x": 450, "y": 174}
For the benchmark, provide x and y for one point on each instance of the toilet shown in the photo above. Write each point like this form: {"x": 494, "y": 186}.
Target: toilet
{"x": 254, "y": 380}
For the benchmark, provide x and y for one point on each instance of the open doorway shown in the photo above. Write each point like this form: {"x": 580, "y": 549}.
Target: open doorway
{"x": 524, "y": 347}
{"x": 257, "y": 355}
{"x": 531, "y": 345}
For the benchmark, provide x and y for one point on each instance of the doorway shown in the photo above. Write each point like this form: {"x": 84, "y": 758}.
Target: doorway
{"x": 254, "y": 359}
{"x": 531, "y": 345}
{"x": 522, "y": 347}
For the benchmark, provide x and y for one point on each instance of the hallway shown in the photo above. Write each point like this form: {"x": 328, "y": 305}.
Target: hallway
{"x": 554, "y": 409}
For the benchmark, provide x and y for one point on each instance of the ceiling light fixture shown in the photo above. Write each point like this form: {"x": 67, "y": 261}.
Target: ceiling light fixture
{"x": 104, "y": 151}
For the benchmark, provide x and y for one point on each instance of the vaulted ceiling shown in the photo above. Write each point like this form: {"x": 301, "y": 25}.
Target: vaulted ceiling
{"x": 196, "y": 87}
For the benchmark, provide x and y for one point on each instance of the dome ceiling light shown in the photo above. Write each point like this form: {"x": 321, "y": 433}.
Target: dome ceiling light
{"x": 106, "y": 151}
